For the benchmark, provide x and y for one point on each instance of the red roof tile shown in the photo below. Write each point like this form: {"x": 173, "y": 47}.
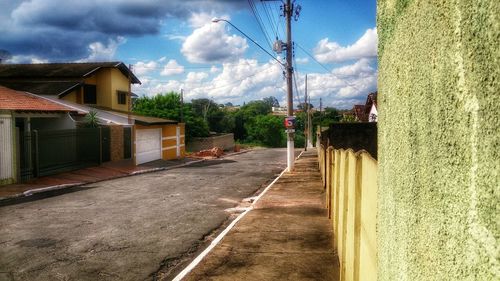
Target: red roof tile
{"x": 22, "y": 101}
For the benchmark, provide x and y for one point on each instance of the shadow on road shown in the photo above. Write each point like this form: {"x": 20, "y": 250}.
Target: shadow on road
{"x": 210, "y": 163}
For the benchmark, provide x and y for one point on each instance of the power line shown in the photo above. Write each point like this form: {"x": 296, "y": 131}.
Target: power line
{"x": 259, "y": 22}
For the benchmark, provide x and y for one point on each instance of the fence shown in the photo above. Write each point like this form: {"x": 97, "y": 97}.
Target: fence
{"x": 350, "y": 180}
{"x": 48, "y": 152}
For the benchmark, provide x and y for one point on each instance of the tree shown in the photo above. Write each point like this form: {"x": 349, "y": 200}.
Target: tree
{"x": 266, "y": 129}
{"x": 303, "y": 106}
{"x": 168, "y": 106}
{"x": 271, "y": 101}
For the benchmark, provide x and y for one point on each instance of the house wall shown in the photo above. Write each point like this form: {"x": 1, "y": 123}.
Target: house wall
{"x": 104, "y": 88}
{"x": 439, "y": 140}
{"x": 108, "y": 81}
{"x": 119, "y": 83}
{"x": 7, "y": 149}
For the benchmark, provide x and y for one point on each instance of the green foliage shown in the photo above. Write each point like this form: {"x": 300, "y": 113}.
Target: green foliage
{"x": 91, "y": 120}
{"x": 266, "y": 129}
{"x": 271, "y": 101}
{"x": 252, "y": 123}
{"x": 348, "y": 118}
{"x": 168, "y": 106}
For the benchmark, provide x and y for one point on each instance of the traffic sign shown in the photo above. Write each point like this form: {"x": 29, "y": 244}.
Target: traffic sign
{"x": 290, "y": 122}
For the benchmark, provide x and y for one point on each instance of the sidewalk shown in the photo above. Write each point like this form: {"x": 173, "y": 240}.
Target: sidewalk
{"x": 106, "y": 171}
{"x": 286, "y": 236}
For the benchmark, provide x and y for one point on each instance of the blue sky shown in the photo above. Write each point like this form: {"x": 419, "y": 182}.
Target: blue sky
{"x": 173, "y": 44}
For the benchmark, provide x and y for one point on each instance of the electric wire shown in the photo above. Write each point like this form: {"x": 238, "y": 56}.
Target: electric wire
{"x": 259, "y": 22}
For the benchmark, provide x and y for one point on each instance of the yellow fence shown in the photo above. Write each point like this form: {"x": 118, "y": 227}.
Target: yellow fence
{"x": 350, "y": 181}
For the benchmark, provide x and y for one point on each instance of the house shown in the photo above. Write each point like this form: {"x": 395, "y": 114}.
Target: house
{"x": 104, "y": 88}
{"x": 19, "y": 112}
{"x": 359, "y": 112}
{"x": 371, "y": 112}
{"x": 366, "y": 112}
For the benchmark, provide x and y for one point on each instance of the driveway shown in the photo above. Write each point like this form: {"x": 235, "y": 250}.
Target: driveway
{"x": 129, "y": 228}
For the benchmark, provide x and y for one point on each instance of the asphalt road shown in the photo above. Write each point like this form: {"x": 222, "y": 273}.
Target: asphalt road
{"x": 129, "y": 228}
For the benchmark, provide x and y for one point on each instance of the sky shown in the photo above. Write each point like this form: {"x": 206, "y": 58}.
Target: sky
{"x": 173, "y": 45}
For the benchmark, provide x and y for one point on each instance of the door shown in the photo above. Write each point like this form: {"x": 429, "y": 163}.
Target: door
{"x": 148, "y": 145}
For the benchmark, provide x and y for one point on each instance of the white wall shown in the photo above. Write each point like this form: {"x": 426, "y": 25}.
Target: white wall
{"x": 6, "y": 148}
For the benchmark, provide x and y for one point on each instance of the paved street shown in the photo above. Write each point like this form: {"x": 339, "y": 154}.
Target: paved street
{"x": 128, "y": 228}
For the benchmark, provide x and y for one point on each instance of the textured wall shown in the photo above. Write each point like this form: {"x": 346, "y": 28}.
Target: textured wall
{"x": 439, "y": 139}
{"x": 225, "y": 141}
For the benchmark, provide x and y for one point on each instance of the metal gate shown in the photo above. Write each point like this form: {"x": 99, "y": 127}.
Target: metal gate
{"x": 50, "y": 152}
{"x": 127, "y": 142}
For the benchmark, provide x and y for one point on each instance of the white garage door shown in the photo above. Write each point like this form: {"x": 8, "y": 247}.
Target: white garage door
{"x": 148, "y": 145}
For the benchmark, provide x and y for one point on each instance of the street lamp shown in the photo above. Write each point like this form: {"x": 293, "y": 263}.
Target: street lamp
{"x": 288, "y": 66}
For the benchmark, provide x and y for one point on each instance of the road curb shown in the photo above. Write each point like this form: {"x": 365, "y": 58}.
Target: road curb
{"x": 34, "y": 191}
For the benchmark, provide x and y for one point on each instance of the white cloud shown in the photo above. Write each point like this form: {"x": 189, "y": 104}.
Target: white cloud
{"x": 214, "y": 69}
{"x": 100, "y": 52}
{"x": 247, "y": 80}
{"x": 172, "y": 68}
{"x": 365, "y": 47}
{"x": 302, "y": 60}
{"x": 143, "y": 68}
{"x": 196, "y": 77}
{"x": 211, "y": 43}
{"x": 26, "y": 59}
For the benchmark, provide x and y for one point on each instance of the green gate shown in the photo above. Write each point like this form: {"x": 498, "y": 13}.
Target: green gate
{"x": 50, "y": 152}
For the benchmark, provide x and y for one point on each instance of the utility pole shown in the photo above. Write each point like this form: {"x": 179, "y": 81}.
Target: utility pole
{"x": 129, "y": 96}
{"x": 288, "y": 9}
{"x": 309, "y": 121}
{"x": 306, "y": 127}
{"x": 320, "y": 112}
{"x": 182, "y": 106}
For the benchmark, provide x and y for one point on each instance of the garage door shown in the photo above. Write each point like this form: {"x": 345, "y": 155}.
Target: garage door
{"x": 148, "y": 145}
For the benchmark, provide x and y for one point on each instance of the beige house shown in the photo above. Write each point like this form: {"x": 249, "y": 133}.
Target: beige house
{"x": 104, "y": 88}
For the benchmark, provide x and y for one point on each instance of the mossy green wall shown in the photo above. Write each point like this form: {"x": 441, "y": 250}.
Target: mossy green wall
{"x": 439, "y": 139}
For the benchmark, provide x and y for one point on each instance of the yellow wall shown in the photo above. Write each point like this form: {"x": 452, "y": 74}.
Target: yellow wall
{"x": 72, "y": 97}
{"x": 119, "y": 82}
{"x": 351, "y": 190}
{"x": 103, "y": 79}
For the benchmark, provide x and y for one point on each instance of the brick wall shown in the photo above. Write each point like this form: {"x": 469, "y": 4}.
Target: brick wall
{"x": 116, "y": 148}
{"x": 225, "y": 142}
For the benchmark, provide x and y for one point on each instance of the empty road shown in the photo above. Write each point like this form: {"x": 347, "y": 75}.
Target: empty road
{"x": 132, "y": 228}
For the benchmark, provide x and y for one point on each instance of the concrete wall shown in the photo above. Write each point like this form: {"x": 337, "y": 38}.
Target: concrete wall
{"x": 226, "y": 142}
{"x": 351, "y": 197}
{"x": 439, "y": 140}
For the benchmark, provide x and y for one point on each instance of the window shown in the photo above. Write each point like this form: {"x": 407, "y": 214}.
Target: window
{"x": 90, "y": 94}
{"x": 122, "y": 97}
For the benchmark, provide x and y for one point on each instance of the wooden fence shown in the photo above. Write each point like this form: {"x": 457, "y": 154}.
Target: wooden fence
{"x": 350, "y": 181}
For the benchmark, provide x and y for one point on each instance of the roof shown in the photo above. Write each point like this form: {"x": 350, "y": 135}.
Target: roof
{"x": 46, "y": 71}
{"x": 359, "y": 112}
{"x": 23, "y": 101}
{"x": 111, "y": 116}
{"x": 58, "y": 88}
